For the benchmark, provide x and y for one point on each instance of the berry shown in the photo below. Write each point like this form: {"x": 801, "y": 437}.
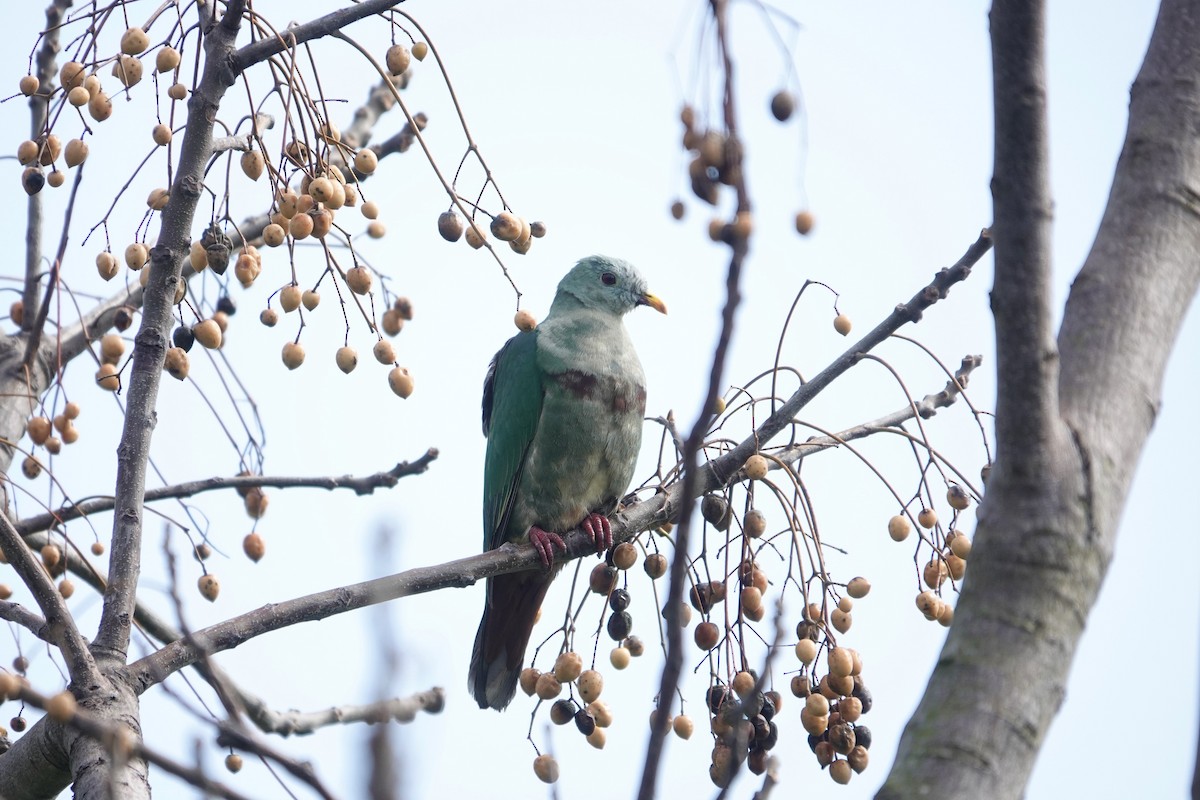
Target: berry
{"x": 898, "y": 528}
{"x": 528, "y": 680}
{"x": 359, "y": 280}
{"x": 293, "y": 355}
{"x": 176, "y": 364}
{"x": 254, "y": 547}
{"x": 166, "y": 59}
{"x": 927, "y": 518}
{"x": 804, "y": 223}
{"x": 619, "y": 657}
{"x": 858, "y": 587}
{"x": 544, "y": 766}
{"x": 756, "y": 467}
{"x": 209, "y": 586}
{"x": 707, "y": 634}
{"x": 398, "y": 58}
{"x": 567, "y": 667}
{"x": 624, "y": 556}
{"x": 233, "y": 762}
{"x": 524, "y": 320}
{"x": 450, "y": 226}
{"x": 61, "y": 707}
{"x": 683, "y": 726}
{"x": 107, "y": 378}
{"x": 134, "y": 42}
{"x": 547, "y": 686}
{"x": 655, "y": 565}
{"x": 957, "y": 497}
{"x": 347, "y": 359}
{"x": 591, "y": 683}
{"x": 841, "y": 324}
{"x": 366, "y": 161}
{"x": 782, "y": 105}
{"x": 207, "y": 333}
{"x": 401, "y": 381}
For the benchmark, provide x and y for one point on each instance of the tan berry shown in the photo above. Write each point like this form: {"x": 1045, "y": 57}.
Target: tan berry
{"x": 136, "y": 255}
{"x": 310, "y": 299}
{"x": 252, "y": 164}
{"x": 850, "y": 708}
{"x": 177, "y": 91}
{"x": 397, "y": 59}
{"x": 755, "y": 523}
{"x": 209, "y": 587}
{"x": 78, "y": 97}
{"x": 166, "y": 59}
{"x": 293, "y": 355}
{"x": 27, "y": 152}
{"x": 624, "y": 556}
{"x": 39, "y": 429}
{"x": 927, "y": 518}
{"x": 112, "y": 347}
{"x": 683, "y": 727}
{"x": 928, "y": 604}
{"x": 591, "y": 683}
{"x": 544, "y": 766}
{"x": 289, "y": 298}
{"x": 752, "y": 600}
{"x": 619, "y": 657}
{"x": 61, "y": 707}
{"x": 134, "y": 42}
{"x": 450, "y": 226}
{"x": 370, "y": 209}
{"x": 840, "y": 771}
{"x": 806, "y": 651}
{"x": 66, "y": 588}
{"x": 858, "y": 588}
{"x": 528, "y": 680}
{"x": 401, "y": 381}
{"x": 347, "y": 359}
{"x": 31, "y": 467}
{"x": 960, "y": 545}
{"x": 842, "y": 620}
{"x": 568, "y": 666}
{"x": 208, "y": 333}
{"x": 956, "y": 566}
{"x": 107, "y": 378}
{"x": 841, "y": 324}
{"x": 97, "y": 548}
{"x": 233, "y": 762}
{"x": 476, "y": 235}
{"x": 804, "y": 223}
{"x": 846, "y": 604}
{"x": 70, "y": 434}
{"x": 839, "y": 661}
{"x": 29, "y": 85}
{"x": 945, "y": 615}
{"x": 176, "y": 363}
{"x": 524, "y": 320}
{"x": 76, "y": 152}
{"x": 254, "y": 547}
{"x": 56, "y": 178}
{"x": 268, "y": 317}
{"x": 376, "y": 229}
{"x": 366, "y": 161}
{"x": 384, "y": 352}
{"x": 547, "y": 687}
{"x": 158, "y": 198}
{"x": 898, "y": 528}
{"x": 72, "y": 74}
{"x": 273, "y": 235}
{"x": 359, "y": 280}
{"x": 100, "y": 107}
{"x": 128, "y": 70}
{"x": 756, "y": 467}
{"x": 957, "y": 497}
{"x": 935, "y": 572}
{"x": 655, "y": 565}
{"x": 161, "y": 134}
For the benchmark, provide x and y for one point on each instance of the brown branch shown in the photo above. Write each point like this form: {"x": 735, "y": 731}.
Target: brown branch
{"x": 60, "y": 625}
{"x": 331, "y": 23}
{"x": 360, "y": 485}
{"x": 398, "y": 709}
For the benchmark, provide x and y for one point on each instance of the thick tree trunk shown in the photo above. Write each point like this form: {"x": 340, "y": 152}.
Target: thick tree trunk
{"x": 1048, "y": 523}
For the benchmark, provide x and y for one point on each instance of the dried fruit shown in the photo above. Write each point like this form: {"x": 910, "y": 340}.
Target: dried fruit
{"x": 28, "y": 85}
{"x": 397, "y": 59}
{"x": 61, "y": 707}
{"x": 927, "y": 518}
{"x": 544, "y": 766}
{"x": 207, "y": 333}
{"x": 655, "y": 565}
{"x": 293, "y": 355}
{"x": 358, "y": 279}
{"x": 858, "y": 587}
{"x": 476, "y": 236}
{"x": 707, "y": 634}
{"x": 957, "y": 497}
{"x": 806, "y": 651}
{"x": 401, "y": 381}
{"x": 568, "y": 666}
{"x": 134, "y": 42}
{"x": 38, "y": 429}
{"x": 782, "y": 105}
{"x": 841, "y": 324}
{"x": 107, "y": 377}
{"x": 804, "y": 223}
{"x": 547, "y": 686}
{"x": 624, "y": 556}
{"x": 898, "y": 528}
{"x": 176, "y": 363}
{"x": 756, "y": 467}
{"x": 528, "y": 680}
{"x": 166, "y": 59}
{"x": 209, "y": 586}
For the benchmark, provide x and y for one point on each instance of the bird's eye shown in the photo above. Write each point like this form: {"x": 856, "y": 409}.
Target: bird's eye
{"x": 608, "y": 278}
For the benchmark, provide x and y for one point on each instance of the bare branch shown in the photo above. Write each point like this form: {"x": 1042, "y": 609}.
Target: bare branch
{"x": 360, "y": 485}
{"x": 399, "y": 709}
{"x": 60, "y": 625}
{"x": 15, "y": 612}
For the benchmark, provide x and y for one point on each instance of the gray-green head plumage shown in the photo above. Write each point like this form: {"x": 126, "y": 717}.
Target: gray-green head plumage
{"x": 603, "y": 283}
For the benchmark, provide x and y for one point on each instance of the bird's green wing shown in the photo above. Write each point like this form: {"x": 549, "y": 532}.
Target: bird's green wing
{"x": 512, "y": 405}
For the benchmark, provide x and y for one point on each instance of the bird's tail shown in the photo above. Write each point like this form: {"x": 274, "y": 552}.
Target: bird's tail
{"x": 508, "y": 617}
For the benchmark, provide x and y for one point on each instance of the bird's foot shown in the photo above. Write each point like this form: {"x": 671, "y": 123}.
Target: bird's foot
{"x": 599, "y": 528}
{"x": 545, "y": 542}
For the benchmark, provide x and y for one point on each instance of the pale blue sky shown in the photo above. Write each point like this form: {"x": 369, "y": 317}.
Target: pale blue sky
{"x": 575, "y": 106}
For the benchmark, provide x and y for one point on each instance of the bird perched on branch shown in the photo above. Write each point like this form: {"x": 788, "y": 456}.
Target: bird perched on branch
{"x": 562, "y": 412}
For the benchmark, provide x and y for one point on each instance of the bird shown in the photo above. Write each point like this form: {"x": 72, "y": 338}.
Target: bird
{"x": 563, "y": 407}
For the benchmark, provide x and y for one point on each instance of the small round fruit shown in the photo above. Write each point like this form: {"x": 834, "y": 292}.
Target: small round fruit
{"x": 78, "y": 97}
{"x": 347, "y": 359}
{"x": 782, "y": 105}
{"x": 476, "y": 235}
{"x": 804, "y": 223}
{"x": 927, "y": 518}
{"x": 384, "y": 352}
{"x": 398, "y": 58}
{"x": 359, "y": 280}
{"x": 136, "y": 255}
{"x": 61, "y": 707}
{"x": 450, "y": 226}
{"x": 756, "y": 467}
{"x": 254, "y": 547}
{"x": 71, "y": 75}
{"x": 39, "y": 429}
{"x": 591, "y": 683}
{"x": 161, "y": 134}
{"x": 289, "y": 298}
{"x": 619, "y": 657}
{"x": 568, "y": 666}
{"x": 233, "y": 762}
{"x": 252, "y": 164}
{"x": 524, "y": 320}
{"x": 66, "y": 588}
{"x": 945, "y": 615}
{"x": 528, "y": 680}
{"x": 176, "y": 363}
{"x": 547, "y": 687}
{"x": 420, "y": 50}
{"x": 177, "y": 91}
{"x": 293, "y": 355}
{"x": 29, "y": 85}
{"x": 107, "y": 378}
{"x": 841, "y": 324}
{"x": 401, "y": 381}
{"x": 207, "y": 333}
{"x": 370, "y": 209}
{"x": 134, "y": 42}
{"x": 957, "y": 497}
{"x": 366, "y": 161}
{"x": 301, "y": 226}
{"x": 806, "y": 651}
{"x": 268, "y": 317}
{"x": 544, "y": 766}
{"x": 898, "y": 528}
{"x": 928, "y": 604}
{"x": 624, "y": 555}
{"x": 841, "y": 771}
{"x": 166, "y": 59}
{"x": 707, "y": 634}
{"x": 683, "y": 727}
{"x": 562, "y": 712}
{"x": 76, "y": 152}
{"x": 842, "y": 620}
{"x": 655, "y": 565}
{"x": 935, "y": 572}
{"x": 97, "y": 548}
{"x": 376, "y": 229}
{"x": 128, "y": 70}
{"x": 310, "y": 299}
{"x": 209, "y": 586}
{"x": 100, "y": 107}
{"x": 858, "y": 588}
{"x": 839, "y": 660}
{"x": 31, "y": 467}
{"x": 678, "y": 209}
{"x": 960, "y": 546}
{"x": 506, "y": 226}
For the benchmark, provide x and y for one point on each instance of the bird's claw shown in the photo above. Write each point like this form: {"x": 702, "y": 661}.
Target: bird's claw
{"x": 545, "y": 542}
{"x": 599, "y": 528}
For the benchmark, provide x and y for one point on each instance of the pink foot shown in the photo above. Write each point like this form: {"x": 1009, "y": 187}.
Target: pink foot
{"x": 600, "y": 530}
{"x": 545, "y": 542}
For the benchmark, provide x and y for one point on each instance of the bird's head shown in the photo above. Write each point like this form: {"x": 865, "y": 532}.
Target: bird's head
{"x": 610, "y": 284}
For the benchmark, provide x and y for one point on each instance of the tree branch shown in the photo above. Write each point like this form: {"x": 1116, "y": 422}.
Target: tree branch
{"x": 360, "y": 485}
{"x": 59, "y": 624}
{"x": 15, "y": 612}
{"x": 299, "y": 723}
{"x": 150, "y": 344}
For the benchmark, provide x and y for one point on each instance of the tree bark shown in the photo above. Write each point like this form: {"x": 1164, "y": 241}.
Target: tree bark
{"x": 1048, "y": 524}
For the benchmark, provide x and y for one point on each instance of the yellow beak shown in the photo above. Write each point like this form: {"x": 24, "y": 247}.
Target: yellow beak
{"x": 652, "y": 301}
